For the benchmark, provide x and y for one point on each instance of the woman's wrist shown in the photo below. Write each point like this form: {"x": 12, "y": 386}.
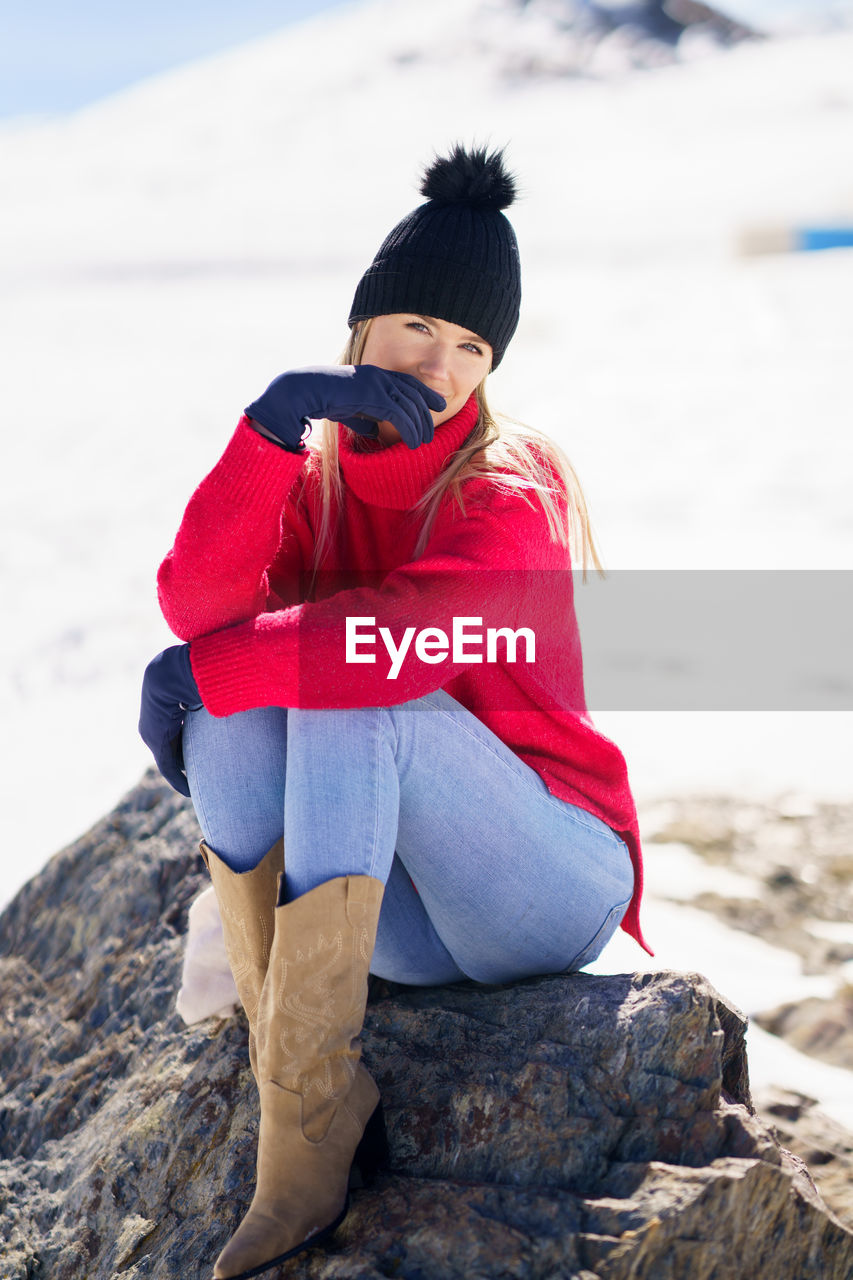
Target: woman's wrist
{"x": 269, "y": 435}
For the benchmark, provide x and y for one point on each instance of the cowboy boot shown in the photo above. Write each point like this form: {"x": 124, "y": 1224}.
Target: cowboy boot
{"x": 247, "y": 906}
{"x": 317, "y": 1098}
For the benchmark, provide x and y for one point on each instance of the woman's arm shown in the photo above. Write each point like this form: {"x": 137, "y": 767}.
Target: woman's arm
{"x": 216, "y": 573}
{"x": 488, "y": 565}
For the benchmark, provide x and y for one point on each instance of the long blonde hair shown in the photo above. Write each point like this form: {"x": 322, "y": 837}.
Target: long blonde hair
{"x": 510, "y": 454}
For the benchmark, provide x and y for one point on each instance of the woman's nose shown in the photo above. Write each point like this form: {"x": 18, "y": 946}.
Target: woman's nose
{"x": 436, "y": 361}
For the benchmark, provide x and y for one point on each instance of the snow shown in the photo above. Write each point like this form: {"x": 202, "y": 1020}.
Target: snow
{"x": 170, "y": 249}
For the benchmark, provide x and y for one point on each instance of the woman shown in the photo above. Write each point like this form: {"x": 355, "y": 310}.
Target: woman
{"x": 383, "y": 679}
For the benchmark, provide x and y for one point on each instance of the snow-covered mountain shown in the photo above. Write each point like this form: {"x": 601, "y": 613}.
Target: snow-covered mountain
{"x": 160, "y": 174}
{"x": 167, "y": 251}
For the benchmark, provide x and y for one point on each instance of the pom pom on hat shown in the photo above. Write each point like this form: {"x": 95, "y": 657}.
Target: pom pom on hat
{"x": 474, "y": 177}
{"x": 455, "y": 257}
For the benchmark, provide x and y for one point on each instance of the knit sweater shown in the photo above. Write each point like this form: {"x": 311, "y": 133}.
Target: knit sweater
{"x": 264, "y": 630}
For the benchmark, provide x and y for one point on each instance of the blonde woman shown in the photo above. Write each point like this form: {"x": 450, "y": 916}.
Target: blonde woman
{"x": 379, "y": 711}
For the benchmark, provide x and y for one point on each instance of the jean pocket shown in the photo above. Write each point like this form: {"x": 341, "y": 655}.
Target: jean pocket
{"x": 599, "y": 941}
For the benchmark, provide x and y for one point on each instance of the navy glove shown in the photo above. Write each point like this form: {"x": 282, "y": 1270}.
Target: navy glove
{"x": 169, "y": 691}
{"x": 359, "y": 396}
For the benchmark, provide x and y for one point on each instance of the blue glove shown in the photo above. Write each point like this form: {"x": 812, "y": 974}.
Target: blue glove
{"x": 359, "y": 396}
{"x": 169, "y": 691}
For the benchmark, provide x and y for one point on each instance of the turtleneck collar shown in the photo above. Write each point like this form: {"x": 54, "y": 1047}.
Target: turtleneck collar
{"x": 395, "y": 475}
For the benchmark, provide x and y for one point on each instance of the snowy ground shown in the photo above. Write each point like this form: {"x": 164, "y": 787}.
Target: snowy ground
{"x": 170, "y": 250}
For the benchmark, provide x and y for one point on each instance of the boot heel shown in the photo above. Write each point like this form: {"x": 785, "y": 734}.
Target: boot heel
{"x": 372, "y": 1153}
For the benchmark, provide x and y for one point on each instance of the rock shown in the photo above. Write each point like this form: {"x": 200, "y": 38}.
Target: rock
{"x": 688, "y": 13}
{"x": 705, "y": 832}
{"x": 822, "y": 1027}
{"x": 816, "y": 1139}
{"x": 535, "y": 39}
{"x": 799, "y": 851}
{"x": 582, "y": 1127}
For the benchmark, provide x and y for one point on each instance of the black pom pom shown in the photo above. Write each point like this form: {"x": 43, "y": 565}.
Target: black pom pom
{"x": 474, "y": 177}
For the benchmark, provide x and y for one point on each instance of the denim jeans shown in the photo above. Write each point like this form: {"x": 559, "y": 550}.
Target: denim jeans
{"x": 487, "y": 875}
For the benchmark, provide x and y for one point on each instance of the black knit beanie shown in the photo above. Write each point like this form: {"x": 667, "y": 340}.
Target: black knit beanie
{"x": 455, "y": 257}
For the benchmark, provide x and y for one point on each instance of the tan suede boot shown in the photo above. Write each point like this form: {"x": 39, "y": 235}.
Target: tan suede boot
{"x": 247, "y": 906}
{"x": 316, "y": 1096}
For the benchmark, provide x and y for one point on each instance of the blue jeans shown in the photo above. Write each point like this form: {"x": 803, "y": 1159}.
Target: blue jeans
{"x": 487, "y": 875}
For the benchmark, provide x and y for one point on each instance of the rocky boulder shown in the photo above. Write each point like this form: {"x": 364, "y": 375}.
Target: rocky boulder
{"x": 798, "y": 1123}
{"x": 822, "y": 1027}
{"x": 565, "y": 1126}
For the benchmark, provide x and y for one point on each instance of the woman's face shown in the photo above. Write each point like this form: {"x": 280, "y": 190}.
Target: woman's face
{"x": 448, "y": 358}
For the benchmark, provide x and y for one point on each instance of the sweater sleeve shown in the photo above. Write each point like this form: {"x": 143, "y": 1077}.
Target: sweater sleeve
{"x": 216, "y": 573}
{"x": 297, "y": 656}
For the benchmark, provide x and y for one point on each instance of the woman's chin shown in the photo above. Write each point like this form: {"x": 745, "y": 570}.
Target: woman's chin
{"x": 446, "y": 414}
{"x": 388, "y": 434}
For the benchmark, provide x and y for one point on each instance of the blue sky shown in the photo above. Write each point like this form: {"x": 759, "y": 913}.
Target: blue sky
{"x": 56, "y": 55}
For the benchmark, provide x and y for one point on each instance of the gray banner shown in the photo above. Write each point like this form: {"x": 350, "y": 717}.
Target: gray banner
{"x": 652, "y": 640}
{"x": 717, "y": 640}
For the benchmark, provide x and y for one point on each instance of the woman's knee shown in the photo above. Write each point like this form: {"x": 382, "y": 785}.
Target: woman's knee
{"x": 324, "y": 721}
{"x": 213, "y": 738}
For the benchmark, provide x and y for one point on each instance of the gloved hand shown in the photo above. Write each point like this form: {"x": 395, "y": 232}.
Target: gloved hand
{"x": 169, "y": 691}
{"x": 359, "y": 396}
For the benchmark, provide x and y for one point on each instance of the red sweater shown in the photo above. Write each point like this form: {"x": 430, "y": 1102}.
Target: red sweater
{"x": 237, "y": 583}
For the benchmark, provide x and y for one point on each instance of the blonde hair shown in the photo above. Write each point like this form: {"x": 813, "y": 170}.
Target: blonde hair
{"x": 509, "y": 453}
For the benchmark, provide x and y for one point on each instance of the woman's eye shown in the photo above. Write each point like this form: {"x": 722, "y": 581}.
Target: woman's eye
{"x": 417, "y": 324}
{"x": 471, "y": 346}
